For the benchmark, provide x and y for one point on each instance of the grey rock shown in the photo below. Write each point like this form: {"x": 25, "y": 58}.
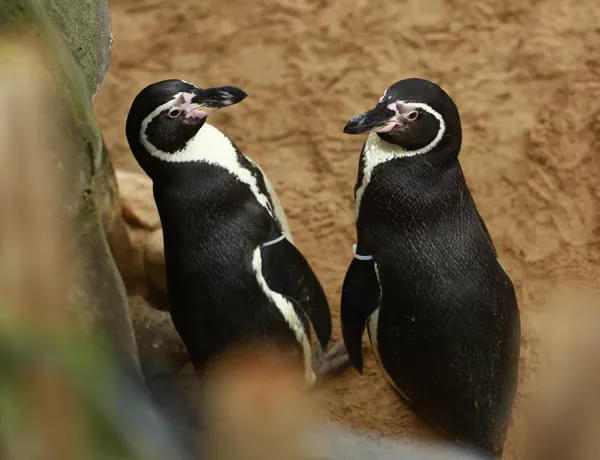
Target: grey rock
{"x": 154, "y": 265}
{"x": 106, "y": 197}
{"x": 137, "y": 200}
{"x": 86, "y": 29}
{"x": 97, "y": 294}
{"x": 161, "y": 351}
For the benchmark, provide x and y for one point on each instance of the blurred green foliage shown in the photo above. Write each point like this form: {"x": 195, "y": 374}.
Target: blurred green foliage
{"x": 62, "y": 395}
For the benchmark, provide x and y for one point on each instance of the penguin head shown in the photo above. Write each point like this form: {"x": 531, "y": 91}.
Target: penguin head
{"x": 166, "y": 115}
{"x": 414, "y": 114}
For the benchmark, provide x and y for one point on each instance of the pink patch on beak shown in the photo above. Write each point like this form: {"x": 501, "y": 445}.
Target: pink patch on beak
{"x": 397, "y": 120}
{"x": 391, "y": 124}
{"x": 196, "y": 113}
{"x": 184, "y": 102}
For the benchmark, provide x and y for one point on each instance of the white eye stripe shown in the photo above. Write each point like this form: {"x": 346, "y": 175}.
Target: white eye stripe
{"x": 210, "y": 146}
{"x": 438, "y": 137}
{"x": 426, "y": 108}
{"x": 383, "y": 96}
{"x": 161, "y": 108}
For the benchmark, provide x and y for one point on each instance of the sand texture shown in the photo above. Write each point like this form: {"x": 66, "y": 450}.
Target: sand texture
{"x": 526, "y": 79}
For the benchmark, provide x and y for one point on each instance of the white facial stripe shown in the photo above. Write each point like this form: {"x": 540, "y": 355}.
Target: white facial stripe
{"x": 407, "y": 106}
{"x": 441, "y": 130}
{"x": 378, "y": 151}
{"x": 180, "y": 100}
{"x": 289, "y": 315}
{"x": 210, "y": 146}
{"x": 161, "y": 108}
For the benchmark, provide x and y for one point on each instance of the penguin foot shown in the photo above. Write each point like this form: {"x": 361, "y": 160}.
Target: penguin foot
{"x": 326, "y": 365}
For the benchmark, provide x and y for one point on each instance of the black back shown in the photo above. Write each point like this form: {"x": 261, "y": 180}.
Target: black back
{"x": 211, "y": 227}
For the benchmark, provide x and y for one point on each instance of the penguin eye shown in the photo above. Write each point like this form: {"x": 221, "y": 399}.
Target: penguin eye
{"x": 412, "y": 116}
{"x": 174, "y": 113}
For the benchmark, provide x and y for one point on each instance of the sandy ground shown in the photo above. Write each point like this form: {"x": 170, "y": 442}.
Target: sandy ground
{"x": 526, "y": 79}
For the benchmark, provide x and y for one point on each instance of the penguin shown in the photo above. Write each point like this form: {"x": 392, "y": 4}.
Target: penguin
{"x": 425, "y": 280}
{"x": 234, "y": 275}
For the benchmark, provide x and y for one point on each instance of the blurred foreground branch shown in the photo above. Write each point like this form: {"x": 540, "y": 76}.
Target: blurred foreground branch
{"x": 69, "y": 381}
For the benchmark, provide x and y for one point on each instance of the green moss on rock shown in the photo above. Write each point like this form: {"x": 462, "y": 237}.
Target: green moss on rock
{"x": 84, "y": 25}
{"x": 71, "y": 61}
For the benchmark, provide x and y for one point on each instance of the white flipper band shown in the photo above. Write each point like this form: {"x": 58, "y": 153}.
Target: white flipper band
{"x": 358, "y": 256}
{"x": 275, "y": 241}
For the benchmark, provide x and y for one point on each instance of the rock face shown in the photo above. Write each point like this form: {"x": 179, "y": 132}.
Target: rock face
{"x": 144, "y": 267}
{"x": 161, "y": 351}
{"x": 137, "y": 200}
{"x": 86, "y": 29}
{"x": 69, "y": 59}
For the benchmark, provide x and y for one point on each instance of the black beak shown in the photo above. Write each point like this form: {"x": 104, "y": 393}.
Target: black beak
{"x": 370, "y": 120}
{"x": 216, "y": 98}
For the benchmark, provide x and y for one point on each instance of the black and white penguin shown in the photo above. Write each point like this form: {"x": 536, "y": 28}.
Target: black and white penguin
{"x": 425, "y": 280}
{"x": 233, "y": 273}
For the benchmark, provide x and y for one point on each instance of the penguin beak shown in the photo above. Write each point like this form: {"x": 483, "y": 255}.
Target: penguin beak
{"x": 368, "y": 121}
{"x": 216, "y": 98}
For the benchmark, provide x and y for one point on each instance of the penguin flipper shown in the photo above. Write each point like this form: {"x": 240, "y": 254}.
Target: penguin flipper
{"x": 287, "y": 271}
{"x": 360, "y": 298}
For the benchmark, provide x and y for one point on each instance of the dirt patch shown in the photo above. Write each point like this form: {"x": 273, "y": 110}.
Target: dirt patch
{"x": 526, "y": 79}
